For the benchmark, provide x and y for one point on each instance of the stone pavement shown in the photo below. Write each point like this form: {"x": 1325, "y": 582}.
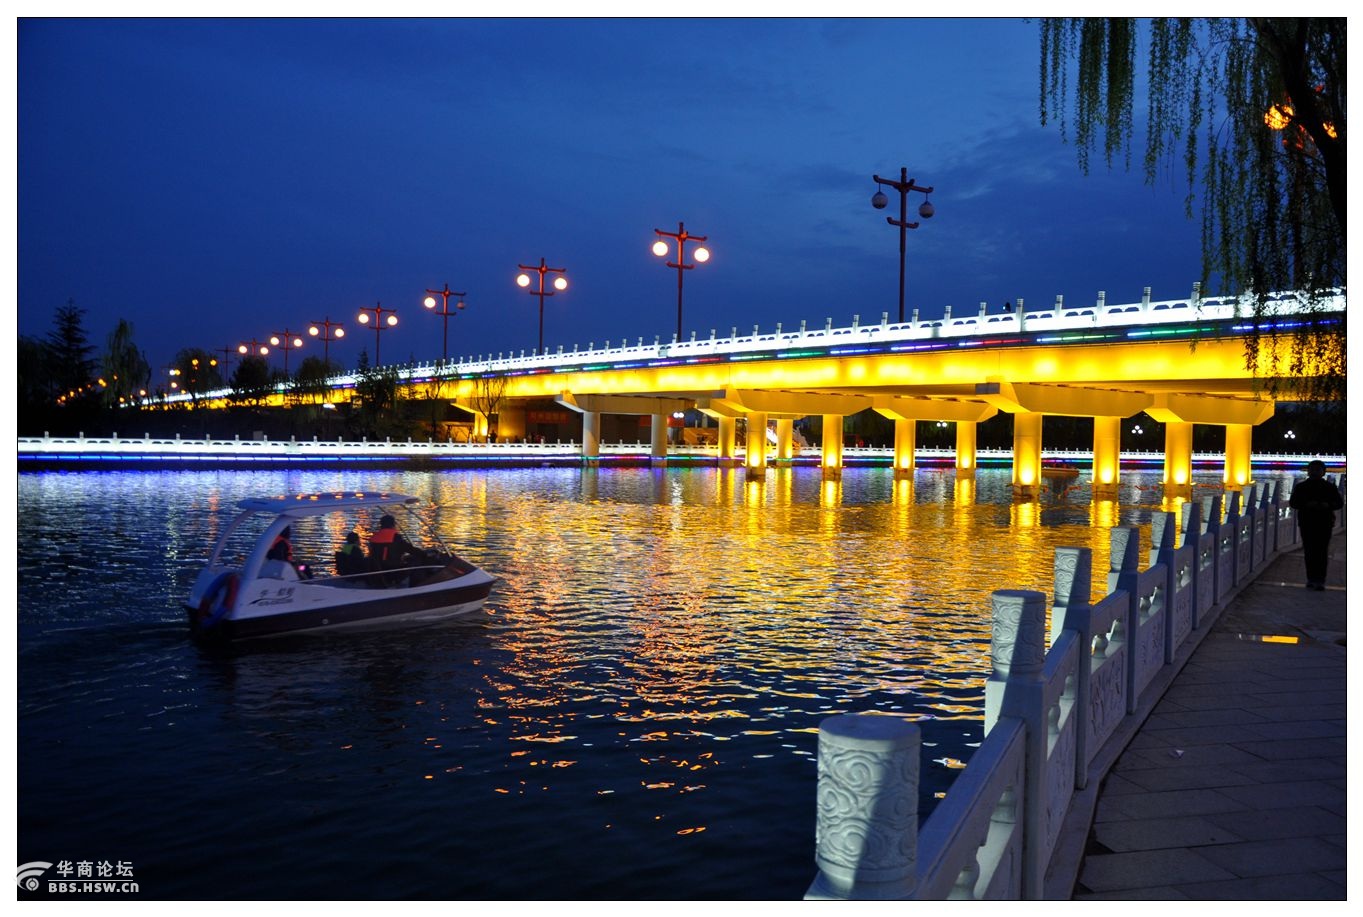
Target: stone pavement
{"x": 1234, "y": 787}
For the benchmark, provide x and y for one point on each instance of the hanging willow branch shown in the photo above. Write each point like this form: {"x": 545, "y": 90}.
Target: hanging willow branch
{"x": 1273, "y": 207}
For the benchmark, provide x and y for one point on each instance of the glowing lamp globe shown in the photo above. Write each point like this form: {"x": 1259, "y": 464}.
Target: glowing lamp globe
{"x": 522, "y": 280}
{"x": 313, "y": 331}
{"x": 560, "y": 283}
{"x": 702, "y": 255}
{"x": 340, "y": 332}
{"x": 392, "y": 320}
{"x": 363, "y": 318}
{"x": 429, "y": 302}
{"x": 660, "y": 248}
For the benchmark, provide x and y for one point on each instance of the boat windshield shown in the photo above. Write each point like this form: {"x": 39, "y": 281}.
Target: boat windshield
{"x": 316, "y": 539}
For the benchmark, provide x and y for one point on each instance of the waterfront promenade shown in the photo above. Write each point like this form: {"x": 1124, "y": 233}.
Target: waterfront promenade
{"x": 1233, "y": 786}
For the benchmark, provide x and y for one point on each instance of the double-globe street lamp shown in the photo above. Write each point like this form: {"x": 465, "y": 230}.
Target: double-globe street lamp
{"x": 701, "y": 254}
{"x": 879, "y": 200}
{"x": 380, "y": 323}
{"x": 429, "y": 303}
{"x": 323, "y": 330}
{"x": 253, "y": 348}
{"x": 560, "y": 284}
{"x": 286, "y": 341}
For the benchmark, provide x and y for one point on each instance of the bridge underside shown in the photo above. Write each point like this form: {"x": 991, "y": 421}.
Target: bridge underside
{"x": 1176, "y": 384}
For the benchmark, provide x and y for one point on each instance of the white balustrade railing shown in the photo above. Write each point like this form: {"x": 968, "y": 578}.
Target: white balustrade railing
{"x": 1048, "y": 713}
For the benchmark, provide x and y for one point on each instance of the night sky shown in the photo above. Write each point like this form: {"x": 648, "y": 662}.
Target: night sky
{"x": 214, "y": 181}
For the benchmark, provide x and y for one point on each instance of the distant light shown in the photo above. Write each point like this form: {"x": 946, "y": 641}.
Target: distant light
{"x": 522, "y": 280}
{"x": 702, "y": 255}
{"x": 560, "y": 283}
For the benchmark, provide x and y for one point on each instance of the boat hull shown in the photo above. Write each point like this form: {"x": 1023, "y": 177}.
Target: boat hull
{"x": 379, "y": 608}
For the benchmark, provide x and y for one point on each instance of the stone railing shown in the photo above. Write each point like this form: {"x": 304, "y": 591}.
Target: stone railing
{"x": 1048, "y": 713}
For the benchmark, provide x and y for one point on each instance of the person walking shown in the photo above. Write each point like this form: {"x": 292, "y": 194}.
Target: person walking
{"x": 1315, "y": 501}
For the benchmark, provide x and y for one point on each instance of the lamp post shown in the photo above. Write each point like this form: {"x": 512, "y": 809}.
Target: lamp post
{"x": 253, "y": 348}
{"x": 702, "y": 255}
{"x": 226, "y": 356}
{"x": 925, "y": 210}
{"x": 444, "y": 312}
{"x": 560, "y": 284}
{"x": 380, "y": 323}
{"x": 323, "y": 330}
{"x": 286, "y": 342}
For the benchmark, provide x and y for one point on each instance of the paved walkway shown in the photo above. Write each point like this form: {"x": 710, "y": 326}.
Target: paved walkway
{"x": 1234, "y": 787}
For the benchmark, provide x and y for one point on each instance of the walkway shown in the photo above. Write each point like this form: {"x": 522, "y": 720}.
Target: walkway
{"x": 1234, "y": 787}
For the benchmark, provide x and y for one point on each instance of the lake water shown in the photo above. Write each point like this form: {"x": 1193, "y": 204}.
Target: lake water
{"x": 634, "y": 717}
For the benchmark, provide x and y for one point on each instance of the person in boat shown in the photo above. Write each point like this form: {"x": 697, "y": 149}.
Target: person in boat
{"x": 388, "y": 550}
{"x": 350, "y": 558}
{"x": 282, "y": 549}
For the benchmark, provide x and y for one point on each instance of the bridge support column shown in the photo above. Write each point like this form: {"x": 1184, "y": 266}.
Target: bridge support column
{"x": 1107, "y": 433}
{"x": 905, "y": 433}
{"x": 965, "y": 447}
{"x": 756, "y": 456}
{"x": 479, "y": 427}
{"x": 591, "y": 435}
{"x": 832, "y": 447}
{"x": 1178, "y": 459}
{"x": 785, "y": 435}
{"x": 728, "y": 430}
{"x": 511, "y": 422}
{"x": 1238, "y": 437}
{"x": 1027, "y": 455}
{"x": 658, "y": 452}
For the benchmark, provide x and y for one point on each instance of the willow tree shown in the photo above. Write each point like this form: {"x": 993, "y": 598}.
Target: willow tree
{"x": 126, "y": 370}
{"x": 1254, "y": 111}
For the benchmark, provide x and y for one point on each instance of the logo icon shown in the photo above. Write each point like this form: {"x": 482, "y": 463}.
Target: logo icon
{"x": 29, "y": 873}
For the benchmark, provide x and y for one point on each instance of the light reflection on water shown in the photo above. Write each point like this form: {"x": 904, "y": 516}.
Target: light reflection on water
{"x": 635, "y": 716}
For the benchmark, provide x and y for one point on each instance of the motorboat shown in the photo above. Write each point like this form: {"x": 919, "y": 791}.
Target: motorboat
{"x": 251, "y": 588}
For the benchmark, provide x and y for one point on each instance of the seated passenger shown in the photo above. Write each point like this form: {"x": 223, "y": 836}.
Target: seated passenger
{"x": 388, "y": 550}
{"x": 350, "y": 558}
{"x": 282, "y": 549}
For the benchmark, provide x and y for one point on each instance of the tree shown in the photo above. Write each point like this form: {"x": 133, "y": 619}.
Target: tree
{"x": 1255, "y": 109}
{"x": 251, "y": 381}
{"x": 488, "y": 394}
{"x": 310, "y": 381}
{"x": 70, "y": 367}
{"x": 126, "y": 370}
{"x": 377, "y": 389}
{"x": 196, "y": 372}
{"x": 34, "y": 384}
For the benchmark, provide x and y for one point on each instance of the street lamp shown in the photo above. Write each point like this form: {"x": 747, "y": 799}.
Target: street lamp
{"x": 429, "y": 303}
{"x": 380, "y": 323}
{"x": 560, "y": 284}
{"x": 286, "y": 342}
{"x": 253, "y": 348}
{"x": 323, "y": 330}
{"x": 702, "y": 255}
{"x": 879, "y": 200}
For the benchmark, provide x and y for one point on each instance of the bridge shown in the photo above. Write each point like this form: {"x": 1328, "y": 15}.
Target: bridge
{"x": 1180, "y": 361}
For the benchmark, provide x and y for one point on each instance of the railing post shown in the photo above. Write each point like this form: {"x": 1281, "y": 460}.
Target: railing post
{"x": 1014, "y": 689}
{"x": 1072, "y": 609}
{"x": 1123, "y": 568}
{"x": 866, "y": 832}
{"x": 1178, "y": 579}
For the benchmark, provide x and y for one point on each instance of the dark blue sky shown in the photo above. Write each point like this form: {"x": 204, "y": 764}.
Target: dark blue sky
{"x": 216, "y": 181}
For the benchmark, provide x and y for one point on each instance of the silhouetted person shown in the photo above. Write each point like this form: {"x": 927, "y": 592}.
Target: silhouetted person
{"x": 350, "y": 558}
{"x": 1315, "y": 501}
{"x": 387, "y": 548}
{"x": 282, "y": 549}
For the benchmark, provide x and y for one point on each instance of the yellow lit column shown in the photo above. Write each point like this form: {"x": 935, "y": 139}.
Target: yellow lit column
{"x": 1107, "y": 459}
{"x": 756, "y": 456}
{"x": 511, "y": 422}
{"x": 728, "y": 434}
{"x": 591, "y": 434}
{"x": 1178, "y": 458}
{"x": 965, "y": 447}
{"x": 1027, "y": 454}
{"x": 832, "y": 446}
{"x": 659, "y": 442}
{"x": 479, "y": 427}
{"x": 905, "y": 432}
{"x": 785, "y": 435}
{"x": 1238, "y": 437}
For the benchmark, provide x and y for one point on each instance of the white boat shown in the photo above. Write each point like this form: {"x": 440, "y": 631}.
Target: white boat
{"x": 242, "y": 593}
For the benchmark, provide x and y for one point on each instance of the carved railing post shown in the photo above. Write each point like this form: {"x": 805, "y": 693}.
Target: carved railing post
{"x": 1123, "y": 567}
{"x": 1072, "y": 609}
{"x": 866, "y": 833}
{"x": 1015, "y": 689}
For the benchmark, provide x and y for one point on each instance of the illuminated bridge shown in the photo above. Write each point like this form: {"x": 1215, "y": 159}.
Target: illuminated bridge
{"x": 1107, "y": 362}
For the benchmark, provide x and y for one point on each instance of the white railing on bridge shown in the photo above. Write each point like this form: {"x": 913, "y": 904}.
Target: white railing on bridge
{"x": 912, "y": 334}
{"x": 1048, "y": 713}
